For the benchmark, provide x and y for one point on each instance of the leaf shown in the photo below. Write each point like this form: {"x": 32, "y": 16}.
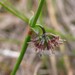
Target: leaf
{"x": 37, "y": 29}
{"x": 8, "y": 6}
{"x": 39, "y": 25}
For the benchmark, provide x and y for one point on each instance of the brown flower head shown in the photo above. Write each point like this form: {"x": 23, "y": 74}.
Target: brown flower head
{"x": 47, "y": 41}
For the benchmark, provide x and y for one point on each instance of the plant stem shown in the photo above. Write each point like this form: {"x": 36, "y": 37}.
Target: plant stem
{"x": 14, "y": 11}
{"x": 27, "y": 39}
{"x": 37, "y": 13}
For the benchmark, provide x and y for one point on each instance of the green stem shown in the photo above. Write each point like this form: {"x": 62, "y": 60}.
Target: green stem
{"x": 14, "y": 11}
{"x": 27, "y": 39}
{"x": 37, "y": 13}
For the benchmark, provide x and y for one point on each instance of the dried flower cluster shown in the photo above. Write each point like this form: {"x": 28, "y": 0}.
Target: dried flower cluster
{"x": 47, "y": 41}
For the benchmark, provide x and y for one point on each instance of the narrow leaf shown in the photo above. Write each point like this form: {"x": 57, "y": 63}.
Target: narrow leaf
{"x": 8, "y": 6}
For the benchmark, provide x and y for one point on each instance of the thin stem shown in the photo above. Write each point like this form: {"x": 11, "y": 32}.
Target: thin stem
{"x": 27, "y": 39}
{"x": 43, "y": 29}
{"x": 37, "y": 13}
{"x": 14, "y": 11}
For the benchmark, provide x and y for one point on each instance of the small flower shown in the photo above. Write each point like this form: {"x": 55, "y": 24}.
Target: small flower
{"x": 47, "y": 41}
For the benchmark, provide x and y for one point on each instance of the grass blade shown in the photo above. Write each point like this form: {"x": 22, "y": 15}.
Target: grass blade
{"x": 8, "y": 6}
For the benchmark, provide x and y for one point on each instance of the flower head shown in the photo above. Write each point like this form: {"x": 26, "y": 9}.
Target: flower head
{"x": 47, "y": 41}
